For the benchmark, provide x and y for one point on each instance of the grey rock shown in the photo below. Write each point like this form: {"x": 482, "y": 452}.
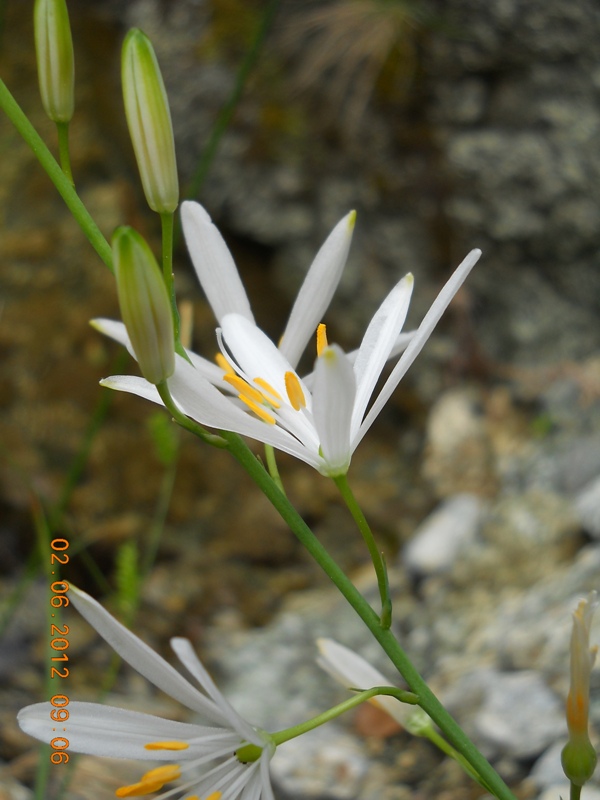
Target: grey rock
{"x": 547, "y": 771}
{"x": 326, "y": 763}
{"x": 518, "y": 715}
{"x": 587, "y": 505}
{"x": 444, "y": 535}
{"x": 561, "y": 790}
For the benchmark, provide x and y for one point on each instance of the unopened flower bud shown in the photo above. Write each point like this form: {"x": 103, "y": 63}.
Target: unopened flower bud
{"x": 145, "y": 305}
{"x": 149, "y": 122}
{"x": 578, "y": 756}
{"x": 54, "y": 50}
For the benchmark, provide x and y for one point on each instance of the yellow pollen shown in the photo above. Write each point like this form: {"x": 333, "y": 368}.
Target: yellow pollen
{"x": 268, "y": 389}
{"x": 260, "y": 411}
{"x": 213, "y": 796}
{"x": 151, "y": 781}
{"x": 166, "y": 746}
{"x": 224, "y": 364}
{"x": 294, "y": 391}
{"x": 321, "y": 338}
{"x": 244, "y": 388}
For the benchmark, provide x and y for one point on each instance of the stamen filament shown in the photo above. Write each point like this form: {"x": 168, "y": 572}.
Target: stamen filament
{"x": 224, "y": 364}
{"x": 294, "y": 391}
{"x": 244, "y": 388}
{"x": 258, "y": 410}
{"x": 266, "y": 387}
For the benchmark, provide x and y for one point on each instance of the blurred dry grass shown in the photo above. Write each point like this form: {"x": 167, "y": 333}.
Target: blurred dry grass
{"x": 345, "y": 51}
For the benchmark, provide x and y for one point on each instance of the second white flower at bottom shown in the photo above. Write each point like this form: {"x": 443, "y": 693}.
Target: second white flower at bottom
{"x": 227, "y": 760}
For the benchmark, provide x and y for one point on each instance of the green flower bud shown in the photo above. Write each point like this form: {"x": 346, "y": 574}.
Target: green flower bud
{"x": 149, "y": 122}
{"x": 579, "y": 760}
{"x": 54, "y": 50}
{"x": 145, "y": 305}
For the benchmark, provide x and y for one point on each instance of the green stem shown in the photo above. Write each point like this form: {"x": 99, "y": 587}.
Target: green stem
{"x": 575, "y": 792}
{"x": 82, "y": 216}
{"x": 341, "y": 481}
{"x": 273, "y": 468}
{"x": 62, "y": 129}
{"x": 166, "y": 221}
{"x": 297, "y": 730}
{"x": 427, "y": 700}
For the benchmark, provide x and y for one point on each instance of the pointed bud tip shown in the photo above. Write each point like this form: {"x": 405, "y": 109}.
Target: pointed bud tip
{"x": 149, "y": 122}
{"x": 351, "y": 220}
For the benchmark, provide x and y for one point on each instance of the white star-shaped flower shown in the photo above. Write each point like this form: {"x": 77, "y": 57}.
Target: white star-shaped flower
{"x": 207, "y": 757}
{"x": 255, "y": 389}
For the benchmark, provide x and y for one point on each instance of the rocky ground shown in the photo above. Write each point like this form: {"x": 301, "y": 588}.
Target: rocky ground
{"x": 481, "y": 479}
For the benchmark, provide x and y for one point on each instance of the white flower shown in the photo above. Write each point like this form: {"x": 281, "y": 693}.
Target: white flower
{"x": 206, "y": 756}
{"x": 257, "y": 392}
{"x": 353, "y": 672}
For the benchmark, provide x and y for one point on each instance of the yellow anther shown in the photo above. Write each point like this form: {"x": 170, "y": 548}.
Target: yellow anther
{"x": 260, "y": 411}
{"x": 213, "y": 796}
{"x": 321, "y": 338}
{"x": 166, "y": 746}
{"x": 269, "y": 390}
{"x": 151, "y": 781}
{"x": 244, "y": 388}
{"x": 224, "y": 364}
{"x": 294, "y": 391}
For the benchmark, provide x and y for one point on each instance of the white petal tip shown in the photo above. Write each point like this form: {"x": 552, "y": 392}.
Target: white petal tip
{"x": 351, "y": 220}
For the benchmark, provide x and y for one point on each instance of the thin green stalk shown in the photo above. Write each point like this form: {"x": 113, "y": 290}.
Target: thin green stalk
{"x": 166, "y": 221}
{"x": 62, "y": 129}
{"x": 272, "y": 467}
{"x": 427, "y": 700}
{"x": 341, "y": 481}
{"x": 161, "y": 510}
{"x": 575, "y": 792}
{"x": 297, "y": 730}
{"x": 227, "y": 110}
{"x": 78, "y": 464}
{"x": 167, "y": 224}
{"x": 82, "y": 216}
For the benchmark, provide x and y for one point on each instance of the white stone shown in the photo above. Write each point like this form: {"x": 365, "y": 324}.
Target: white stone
{"x": 444, "y": 535}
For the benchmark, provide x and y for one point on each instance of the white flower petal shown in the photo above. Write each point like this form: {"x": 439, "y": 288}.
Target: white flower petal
{"x": 115, "y": 732}
{"x": 267, "y": 791}
{"x": 142, "y": 658}
{"x": 353, "y": 672}
{"x": 201, "y": 401}
{"x": 213, "y": 263}
{"x": 317, "y": 290}
{"x": 333, "y": 401}
{"x": 185, "y": 653}
{"x": 133, "y": 385}
{"x": 114, "y": 330}
{"x": 254, "y": 352}
{"x": 423, "y": 333}
{"x": 399, "y": 347}
{"x": 378, "y": 341}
